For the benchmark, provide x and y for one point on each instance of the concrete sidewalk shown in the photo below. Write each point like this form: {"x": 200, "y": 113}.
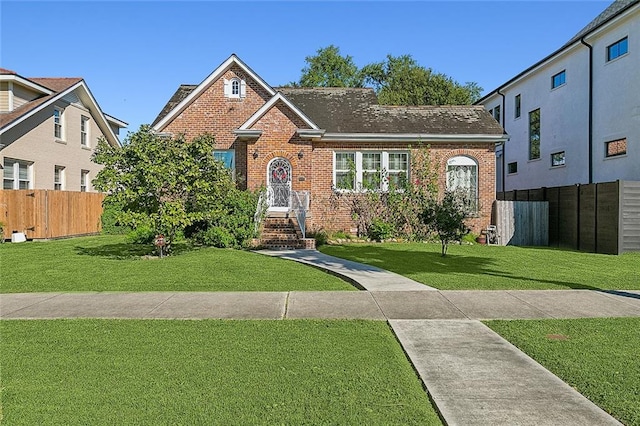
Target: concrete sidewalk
{"x": 378, "y": 305}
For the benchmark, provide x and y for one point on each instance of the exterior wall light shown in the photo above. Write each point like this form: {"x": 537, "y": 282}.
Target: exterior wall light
{"x": 255, "y": 154}
{"x": 300, "y": 155}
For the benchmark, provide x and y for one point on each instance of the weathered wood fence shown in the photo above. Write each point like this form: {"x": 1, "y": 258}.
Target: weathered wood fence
{"x": 600, "y": 218}
{"x": 522, "y": 223}
{"x": 43, "y": 214}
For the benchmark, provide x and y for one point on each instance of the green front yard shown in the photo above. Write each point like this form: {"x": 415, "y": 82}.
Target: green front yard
{"x": 107, "y": 263}
{"x": 598, "y": 357}
{"x": 108, "y": 372}
{"x": 476, "y": 267}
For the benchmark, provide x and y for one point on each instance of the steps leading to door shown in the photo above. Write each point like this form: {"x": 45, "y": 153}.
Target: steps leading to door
{"x": 283, "y": 233}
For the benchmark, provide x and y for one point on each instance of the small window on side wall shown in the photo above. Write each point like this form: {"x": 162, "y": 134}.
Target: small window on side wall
{"x": 559, "y": 79}
{"x": 616, "y": 148}
{"x": 518, "y": 106}
{"x": 557, "y": 159}
{"x": 512, "y": 167}
{"x": 235, "y": 88}
{"x": 617, "y": 49}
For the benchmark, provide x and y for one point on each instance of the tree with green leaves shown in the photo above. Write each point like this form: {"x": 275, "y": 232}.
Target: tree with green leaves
{"x": 400, "y": 80}
{"x": 328, "y": 68}
{"x": 446, "y": 218}
{"x": 164, "y": 184}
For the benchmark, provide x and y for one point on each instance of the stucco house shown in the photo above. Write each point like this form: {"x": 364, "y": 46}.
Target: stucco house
{"x": 303, "y": 140}
{"x": 49, "y": 128}
{"x": 574, "y": 116}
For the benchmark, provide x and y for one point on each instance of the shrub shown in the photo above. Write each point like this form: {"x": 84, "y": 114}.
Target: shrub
{"x": 380, "y": 230}
{"x": 143, "y": 234}
{"x": 109, "y": 219}
{"x": 321, "y": 237}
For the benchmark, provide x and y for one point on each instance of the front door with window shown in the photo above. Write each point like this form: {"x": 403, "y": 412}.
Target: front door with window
{"x": 279, "y": 184}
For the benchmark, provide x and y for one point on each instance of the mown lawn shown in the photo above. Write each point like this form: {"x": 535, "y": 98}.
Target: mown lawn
{"x": 80, "y": 372}
{"x": 107, "y": 263}
{"x": 479, "y": 267}
{"x": 598, "y": 357}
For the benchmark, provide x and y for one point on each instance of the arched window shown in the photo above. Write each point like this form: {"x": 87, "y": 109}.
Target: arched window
{"x": 235, "y": 88}
{"x": 462, "y": 177}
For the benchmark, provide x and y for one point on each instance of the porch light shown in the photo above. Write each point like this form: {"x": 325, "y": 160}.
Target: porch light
{"x": 255, "y": 154}
{"x": 300, "y": 155}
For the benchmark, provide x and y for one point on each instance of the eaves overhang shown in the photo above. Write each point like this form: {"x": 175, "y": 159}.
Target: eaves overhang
{"x": 247, "y": 134}
{"x": 413, "y": 137}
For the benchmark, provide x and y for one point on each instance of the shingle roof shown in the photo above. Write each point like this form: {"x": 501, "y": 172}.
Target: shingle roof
{"x": 56, "y": 84}
{"x": 614, "y": 9}
{"x": 183, "y": 91}
{"x": 347, "y": 110}
{"x": 4, "y": 71}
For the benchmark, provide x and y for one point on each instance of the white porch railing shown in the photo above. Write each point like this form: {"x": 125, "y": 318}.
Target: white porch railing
{"x": 299, "y": 206}
{"x": 261, "y": 208}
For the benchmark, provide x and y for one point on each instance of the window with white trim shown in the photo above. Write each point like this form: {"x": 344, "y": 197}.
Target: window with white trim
{"x": 58, "y": 178}
{"x": 228, "y": 158}
{"x": 462, "y": 177}
{"x": 57, "y": 123}
{"x": 235, "y": 88}
{"x": 84, "y": 131}
{"x": 344, "y": 170}
{"x": 16, "y": 174}
{"x": 370, "y": 170}
{"x": 84, "y": 181}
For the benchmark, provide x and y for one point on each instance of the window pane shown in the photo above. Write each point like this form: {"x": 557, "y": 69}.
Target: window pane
{"x": 7, "y": 184}
{"x": 371, "y": 161}
{"x": 8, "y": 169}
{"x": 345, "y": 180}
{"x": 397, "y": 161}
{"x": 344, "y": 160}
{"x": 227, "y": 157}
{"x": 534, "y": 134}
{"x": 23, "y": 173}
{"x": 557, "y": 159}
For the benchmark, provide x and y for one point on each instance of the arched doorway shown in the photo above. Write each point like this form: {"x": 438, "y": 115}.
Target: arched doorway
{"x": 279, "y": 184}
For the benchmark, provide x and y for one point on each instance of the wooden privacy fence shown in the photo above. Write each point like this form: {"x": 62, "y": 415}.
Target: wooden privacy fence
{"x": 522, "y": 223}
{"x": 600, "y": 218}
{"x": 43, "y": 214}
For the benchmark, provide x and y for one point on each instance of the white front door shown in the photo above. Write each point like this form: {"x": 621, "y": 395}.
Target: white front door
{"x": 279, "y": 184}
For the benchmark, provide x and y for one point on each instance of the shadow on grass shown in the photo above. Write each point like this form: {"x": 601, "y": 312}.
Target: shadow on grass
{"x": 409, "y": 262}
{"x": 126, "y": 251}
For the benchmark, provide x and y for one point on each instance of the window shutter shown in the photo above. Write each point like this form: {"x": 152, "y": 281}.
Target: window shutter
{"x": 243, "y": 89}
{"x": 227, "y": 88}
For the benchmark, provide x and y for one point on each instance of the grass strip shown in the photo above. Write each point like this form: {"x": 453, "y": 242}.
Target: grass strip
{"x": 78, "y": 372}
{"x": 598, "y": 357}
{"x": 470, "y": 267}
{"x": 107, "y": 263}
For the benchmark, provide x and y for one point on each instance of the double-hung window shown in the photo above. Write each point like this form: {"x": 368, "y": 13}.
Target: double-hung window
{"x": 57, "y": 123}
{"x": 84, "y": 131}
{"x": 371, "y": 170}
{"x": 84, "y": 181}
{"x": 16, "y": 174}
{"x": 58, "y": 178}
{"x": 345, "y": 170}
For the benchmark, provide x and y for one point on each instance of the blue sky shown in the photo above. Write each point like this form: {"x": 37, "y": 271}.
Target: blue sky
{"x": 134, "y": 55}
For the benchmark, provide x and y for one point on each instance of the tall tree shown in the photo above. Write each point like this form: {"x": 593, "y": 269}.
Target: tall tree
{"x": 400, "y": 80}
{"x": 330, "y": 69}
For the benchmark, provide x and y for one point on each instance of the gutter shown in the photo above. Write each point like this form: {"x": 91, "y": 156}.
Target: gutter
{"x": 504, "y": 145}
{"x": 590, "y": 126}
{"x": 411, "y": 137}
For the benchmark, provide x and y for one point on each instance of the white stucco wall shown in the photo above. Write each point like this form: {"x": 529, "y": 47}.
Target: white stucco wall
{"x": 565, "y": 113}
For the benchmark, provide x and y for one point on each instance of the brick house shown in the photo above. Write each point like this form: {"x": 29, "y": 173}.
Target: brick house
{"x": 309, "y": 140}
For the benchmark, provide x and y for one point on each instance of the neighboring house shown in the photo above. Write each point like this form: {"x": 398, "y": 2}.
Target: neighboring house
{"x": 49, "y": 128}
{"x": 574, "y": 117}
{"x": 322, "y": 140}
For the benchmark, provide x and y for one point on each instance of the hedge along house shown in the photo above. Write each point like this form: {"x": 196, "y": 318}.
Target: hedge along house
{"x": 306, "y": 141}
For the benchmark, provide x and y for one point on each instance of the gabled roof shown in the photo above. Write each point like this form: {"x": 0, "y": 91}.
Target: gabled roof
{"x": 616, "y": 9}
{"x": 188, "y": 95}
{"x": 353, "y": 112}
{"x": 54, "y": 89}
{"x": 183, "y": 91}
{"x": 267, "y": 106}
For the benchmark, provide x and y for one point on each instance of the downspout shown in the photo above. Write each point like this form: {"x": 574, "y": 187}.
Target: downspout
{"x": 504, "y": 145}
{"x": 590, "y": 127}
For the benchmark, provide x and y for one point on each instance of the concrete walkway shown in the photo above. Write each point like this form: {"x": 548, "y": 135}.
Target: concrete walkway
{"x": 473, "y": 375}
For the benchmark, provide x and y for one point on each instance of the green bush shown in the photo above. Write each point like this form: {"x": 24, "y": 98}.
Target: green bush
{"x": 380, "y": 230}
{"x": 109, "y": 218}
{"x": 143, "y": 234}
{"x": 321, "y": 238}
{"x": 215, "y": 236}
